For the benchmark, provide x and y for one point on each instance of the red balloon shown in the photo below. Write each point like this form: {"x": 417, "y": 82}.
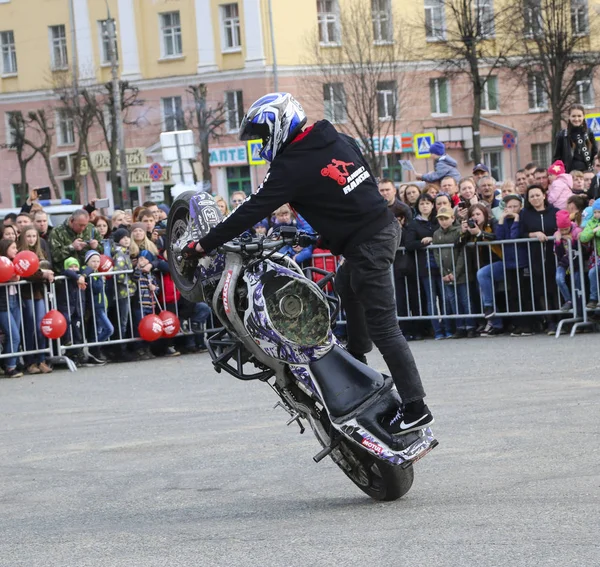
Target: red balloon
{"x": 26, "y": 263}
{"x": 151, "y": 328}
{"x": 171, "y": 324}
{"x": 7, "y": 269}
{"x": 54, "y": 324}
{"x": 105, "y": 263}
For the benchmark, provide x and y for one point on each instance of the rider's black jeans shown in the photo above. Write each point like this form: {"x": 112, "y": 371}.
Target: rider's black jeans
{"x": 364, "y": 282}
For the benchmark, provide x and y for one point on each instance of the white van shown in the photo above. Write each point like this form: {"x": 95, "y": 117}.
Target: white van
{"x": 57, "y": 214}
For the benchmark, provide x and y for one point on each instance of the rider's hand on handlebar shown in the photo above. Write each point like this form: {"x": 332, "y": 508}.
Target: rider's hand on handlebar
{"x": 193, "y": 250}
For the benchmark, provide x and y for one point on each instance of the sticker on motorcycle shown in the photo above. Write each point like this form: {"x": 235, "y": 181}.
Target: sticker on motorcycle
{"x": 226, "y": 291}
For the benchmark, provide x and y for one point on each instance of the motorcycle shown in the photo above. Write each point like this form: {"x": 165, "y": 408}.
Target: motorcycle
{"x": 277, "y": 329}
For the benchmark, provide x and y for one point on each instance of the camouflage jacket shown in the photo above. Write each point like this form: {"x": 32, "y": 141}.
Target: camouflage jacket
{"x": 122, "y": 261}
{"x": 61, "y": 244}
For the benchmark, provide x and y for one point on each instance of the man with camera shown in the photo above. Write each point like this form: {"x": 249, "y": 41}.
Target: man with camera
{"x": 72, "y": 238}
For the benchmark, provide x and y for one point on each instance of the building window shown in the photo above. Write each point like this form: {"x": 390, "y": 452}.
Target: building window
{"x": 585, "y": 92}
{"x": 238, "y": 179}
{"x": 382, "y": 20}
{"x": 328, "y": 21}
{"x": 65, "y": 131}
{"x": 438, "y": 96}
{"x": 579, "y": 17}
{"x": 533, "y": 24}
{"x": 230, "y": 18}
{"x": 234, "y": 105}
{"x": 172, "y": 114}
{"x": 391, "y": 168}
{"x": 540, "y": 154}
{"x": 387, "y": 106}
{"x": 105, "y": 43}
{"x": 493, "y": 159}
{"x": 9, "y": 53}
{"x": 71, "y": 191}
{"x": 434, "y": 20}
{"x": 485, "y": 18}
{"x": 334, "y": 97}
{"x": 58, "y": 47}
{"x": 11, "y": 127}
{"x": 170, "y": 29}
{"x": 489, "y": 96}
{"x": 538, "y": 101}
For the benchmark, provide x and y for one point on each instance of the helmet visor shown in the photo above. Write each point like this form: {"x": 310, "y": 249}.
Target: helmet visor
{"x": 252, "y": 131}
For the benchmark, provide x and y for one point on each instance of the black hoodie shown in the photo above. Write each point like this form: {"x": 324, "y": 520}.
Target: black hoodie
{"x": 323, "y": 175}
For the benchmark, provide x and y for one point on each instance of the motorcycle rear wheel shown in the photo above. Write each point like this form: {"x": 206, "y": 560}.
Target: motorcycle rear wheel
{"x": 184, "y": 273}
{"x": 376, "y": 478}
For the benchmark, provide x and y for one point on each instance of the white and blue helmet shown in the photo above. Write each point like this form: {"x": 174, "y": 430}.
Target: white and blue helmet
{"x": 276, "y": 119}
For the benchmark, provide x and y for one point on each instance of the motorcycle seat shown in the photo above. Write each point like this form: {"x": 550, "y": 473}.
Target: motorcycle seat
{"x": 345, "y": 382}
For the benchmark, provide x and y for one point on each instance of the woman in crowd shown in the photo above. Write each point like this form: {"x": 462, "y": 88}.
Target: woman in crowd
{"x": 118, "y": 219}
{"x": 468, "y": 196}
{"x": 538, "y": 220}
{"x": 34, "y": 307}
{"x": 140, "y": 239}
{"x": 411, "y": 196}
{"x": 9, "y": 232}
{"x": 10, "y": 314}
{"x": 419, "y": 236}
{"x": 442, "y": 200}
{"x": 576, "y": 145}
{"x": 431, "y": 189}
{"x": 102, "y": 234}
{"x": 222, "y": 204}
{"x": 576, "y": 204}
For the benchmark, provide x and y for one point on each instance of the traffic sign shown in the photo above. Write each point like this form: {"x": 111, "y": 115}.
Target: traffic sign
{"x": 508, "y": 140}
{"x": 254, "y": 147}
{"x": 155, "y": 171}
{"x": 593, "y": 123}
{"x": 422, "y": 144}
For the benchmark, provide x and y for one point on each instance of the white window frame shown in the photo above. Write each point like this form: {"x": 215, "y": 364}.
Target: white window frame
{"x": 583, "y": 86}
{"x": 541, "y": 148}
{"x": 485, "y": 16}
{"x": 533, "y": 12}
{"x": 487, "y": 160}
{"x": 235, "y": 111}
{"x": 327, "y": 19}
{"x": 388, "y": 90}
{"x": 170, "y": 35}
{"x": 58, "y": 46}
{"x": 536, "y": 93}
{"x": 334, "y": 103}
{"x": 10, "y": 138}
{"x": 435, "y": 13}
{"x": 434, "y": 84}
{"x": 381, "y": 13}
{"x": 9, "y": 53}
{"x": 65, "y": 129}
{"x": 580, "y": 24}
{"x": 231, "y": 34}
{"x": 485, "y": 108}
{"x": 171, "y": 101}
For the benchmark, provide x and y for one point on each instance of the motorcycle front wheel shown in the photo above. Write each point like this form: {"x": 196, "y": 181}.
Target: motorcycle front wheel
{"x": 179, "y": 231}
{"x": 376, "y": 478}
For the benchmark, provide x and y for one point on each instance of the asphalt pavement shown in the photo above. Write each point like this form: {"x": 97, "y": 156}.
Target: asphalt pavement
{"x": 166, "y": 463}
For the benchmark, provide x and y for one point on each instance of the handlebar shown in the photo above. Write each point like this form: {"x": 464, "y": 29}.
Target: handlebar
{"x": 254, "y": 245}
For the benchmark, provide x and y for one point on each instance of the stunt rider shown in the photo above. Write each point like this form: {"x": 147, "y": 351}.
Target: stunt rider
{"x": 352, "y": 218}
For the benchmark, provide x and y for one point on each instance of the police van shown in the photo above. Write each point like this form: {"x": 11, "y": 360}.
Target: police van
{"x": 58, "y": 210}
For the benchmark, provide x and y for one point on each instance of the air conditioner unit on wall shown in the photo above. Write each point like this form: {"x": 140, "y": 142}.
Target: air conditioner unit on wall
{"x": 469, "y": 158}
{"x": 63, "y": 166}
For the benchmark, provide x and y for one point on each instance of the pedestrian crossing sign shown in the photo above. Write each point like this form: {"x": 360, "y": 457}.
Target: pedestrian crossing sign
{"x": 593, "y": 123}
{"x": 422, "y": 144}
{"x": 254, "y": 147}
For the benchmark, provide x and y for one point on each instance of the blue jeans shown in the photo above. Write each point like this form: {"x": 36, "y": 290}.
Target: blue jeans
{"x": 33, "y": 313}
{"x": 563, "y": 286}
{"x": 434, "y": 290}
{"x": 123, "y": 315}
{"x": 486, "y": 277}
{"x": 104, "y": 328}
{"x": 10, "y": 321}
{"x": 593, "y": 275}
{"x": 453, "y": 292}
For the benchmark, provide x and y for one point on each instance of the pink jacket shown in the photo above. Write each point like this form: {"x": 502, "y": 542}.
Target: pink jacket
{"x": 560, "y": 190}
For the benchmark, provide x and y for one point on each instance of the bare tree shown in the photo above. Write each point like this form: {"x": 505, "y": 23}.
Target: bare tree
{"x": 359, "y": 74}
{"x": 555, "y": 61}
{"x": 19, "y": 127}
{"x": 208, "y": 120}
{"x": 474, "y": 44}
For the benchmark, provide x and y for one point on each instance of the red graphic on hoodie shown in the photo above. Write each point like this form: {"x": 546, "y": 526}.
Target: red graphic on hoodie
{"x": 337, "y": 170}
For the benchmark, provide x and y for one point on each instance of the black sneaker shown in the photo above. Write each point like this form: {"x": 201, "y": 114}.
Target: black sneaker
{"x": 488, "y": 312}
{"x": 13, "y": 373}
{"x": 92, "y": 361}
{"x": 492, "y": 332}
{"x": 460, "y": 334}
{"x": 471, "y": 333}
{"x": 404, "y": 422}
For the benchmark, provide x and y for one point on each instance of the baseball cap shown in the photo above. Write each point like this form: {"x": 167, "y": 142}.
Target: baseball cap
{"x": 481, "y": 167}
{"x": 445, "y": 213}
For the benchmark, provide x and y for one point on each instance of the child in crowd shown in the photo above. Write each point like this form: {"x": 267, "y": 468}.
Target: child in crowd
{"x": 10, "y": 314}
{"x": 261, "y": 228}
{"x": 141, "y": 241}
{"x": 591, "y": 233}
{"x": 451, "y": 262}
{"x": 100, "y": 326}
{"x": 578, "y": 182}
{"x": 560, "y": 185}
{"x": 34, "y": 306}
{"x": 145, "y": 298}
{"x": 567, "y": 232}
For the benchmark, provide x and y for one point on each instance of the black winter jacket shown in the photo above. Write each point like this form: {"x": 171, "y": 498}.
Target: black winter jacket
{"x": 323, "y": 175}
{"x": 563, "y": 150}
{"x": 530, "y": 221}
{"x": 418, "y": 229}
